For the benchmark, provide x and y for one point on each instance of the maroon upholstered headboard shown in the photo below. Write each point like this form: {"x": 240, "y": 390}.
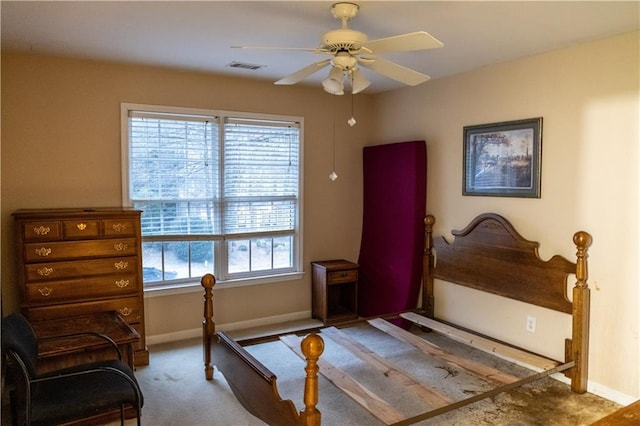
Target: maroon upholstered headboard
{"x": 392, "y": 230}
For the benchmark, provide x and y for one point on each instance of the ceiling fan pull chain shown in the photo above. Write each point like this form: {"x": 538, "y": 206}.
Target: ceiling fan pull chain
{"x": 333, "y": 175}
{"x": 351, "y": 121}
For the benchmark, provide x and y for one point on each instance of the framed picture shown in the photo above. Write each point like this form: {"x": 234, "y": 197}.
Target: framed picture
{"x": 503, "y": 159}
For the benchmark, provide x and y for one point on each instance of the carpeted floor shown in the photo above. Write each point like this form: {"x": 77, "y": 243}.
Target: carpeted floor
{"x": 176, "y": 392}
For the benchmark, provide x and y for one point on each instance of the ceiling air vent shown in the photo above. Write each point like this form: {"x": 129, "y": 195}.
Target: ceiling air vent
{"x": 245, "y": 66}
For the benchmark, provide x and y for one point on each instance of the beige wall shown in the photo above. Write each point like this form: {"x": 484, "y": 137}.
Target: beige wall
{"x": 61, "y": 148}
{"x": 588, "y": 97}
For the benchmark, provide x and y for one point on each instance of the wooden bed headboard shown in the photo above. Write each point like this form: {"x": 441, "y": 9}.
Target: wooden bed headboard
{"x": 491, "y": 256}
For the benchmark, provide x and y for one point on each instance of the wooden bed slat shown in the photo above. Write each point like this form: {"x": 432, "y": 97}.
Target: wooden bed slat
{"x": 479, "y": 370}
{"x": 359, "y": 393}
{"x": 522, "y": 358}
{"x": 388, "y": 369}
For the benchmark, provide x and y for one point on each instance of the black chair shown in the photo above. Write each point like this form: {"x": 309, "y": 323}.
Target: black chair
{"x": 68, "y": 394}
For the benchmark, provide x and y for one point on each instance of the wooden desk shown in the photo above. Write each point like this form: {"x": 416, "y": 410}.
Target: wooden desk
{"x": 62, "y": 353}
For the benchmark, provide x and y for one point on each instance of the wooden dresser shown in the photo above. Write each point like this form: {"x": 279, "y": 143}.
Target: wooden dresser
{"x": 81, "y": 261}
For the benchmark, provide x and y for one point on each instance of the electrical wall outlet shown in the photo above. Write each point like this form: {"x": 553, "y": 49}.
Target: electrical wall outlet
{"x": 531, "y": 324}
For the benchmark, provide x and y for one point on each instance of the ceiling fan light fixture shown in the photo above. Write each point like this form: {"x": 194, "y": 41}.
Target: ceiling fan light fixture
{"x": 350, "y": 49}
{"x": 334, "y": 82}
{"x": 358, "y": 81}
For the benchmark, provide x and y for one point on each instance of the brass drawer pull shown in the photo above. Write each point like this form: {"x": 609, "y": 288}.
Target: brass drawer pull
{"x": 45, "y": 291}
{"x": 81, "y": 226}
{"x": 122, "y": 283}
{"x": 41, "y": 230}
{"x": 43, "y": 251}
{"x": 121, "y": 265}
{"x": 45, "y": 272}
{"x": 119, "y": 227}
{"x": 126, "y": 311}
{"x": 121, "y": 246}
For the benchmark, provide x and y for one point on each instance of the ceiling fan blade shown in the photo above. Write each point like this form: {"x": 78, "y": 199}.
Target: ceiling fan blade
{"x": 420, "y": 40}
{"x": 302, "y": 49}
{"x": 303, "y": 73}
{"x": 394, "y": 71}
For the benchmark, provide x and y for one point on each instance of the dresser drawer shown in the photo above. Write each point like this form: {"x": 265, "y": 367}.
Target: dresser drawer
{"x": 81, "y": 289}
{"x": 74, "y": 229}
{"x": 42, "y": 231}
{"x": 36, "y": 252}
{"x": 129, "y": 308}
{"x": 79, "y": 268}
{"x": 342, "y": 277}
{"x": 119, "y": 227}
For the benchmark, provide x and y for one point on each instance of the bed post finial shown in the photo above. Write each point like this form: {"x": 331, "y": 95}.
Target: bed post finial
{"x": 581, "y": 302}
{"x": 427, "y": 267}
{"x": 312, "y": 347}
{"x": 582, "y": 241}
{"x": 208, "y": 325}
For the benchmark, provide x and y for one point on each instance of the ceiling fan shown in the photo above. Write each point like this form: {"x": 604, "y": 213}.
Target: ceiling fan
{"x": 350, "y": 49}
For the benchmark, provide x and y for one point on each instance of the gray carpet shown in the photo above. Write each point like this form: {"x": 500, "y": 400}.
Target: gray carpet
{"x": 176, "y": 392}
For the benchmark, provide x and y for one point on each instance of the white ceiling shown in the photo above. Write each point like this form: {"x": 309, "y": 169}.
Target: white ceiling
{"x": 197, "y": 35}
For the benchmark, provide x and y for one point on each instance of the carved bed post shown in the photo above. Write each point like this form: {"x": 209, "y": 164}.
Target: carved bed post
{"x": 312, "y": 347}
{"x": 427, "y": 267}
{"x": 581, "y": 301}
{"x": 208, "y": 325}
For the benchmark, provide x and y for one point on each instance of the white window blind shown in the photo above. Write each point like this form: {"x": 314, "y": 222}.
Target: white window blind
{"x": 220, "y": 193}
{"x": 260, "y": 176}
{"x": 174, "y": 173}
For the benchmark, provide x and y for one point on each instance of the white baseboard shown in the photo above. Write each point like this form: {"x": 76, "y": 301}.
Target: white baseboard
{"x": 610, "y": 394}
{"x": 197, "y": 332}
{"x": 175, "y": 336}
{"x": 600, "y": 390}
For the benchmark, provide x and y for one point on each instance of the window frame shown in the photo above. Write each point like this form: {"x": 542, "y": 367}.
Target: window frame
{"x": 193, "y": 283}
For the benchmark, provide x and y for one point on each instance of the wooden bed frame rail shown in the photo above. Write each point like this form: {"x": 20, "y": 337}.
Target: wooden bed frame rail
{"x": 490, "y": 255}
{"x": 252, "y": 383}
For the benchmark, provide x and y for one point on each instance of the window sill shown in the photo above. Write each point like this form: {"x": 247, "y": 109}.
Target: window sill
{"x": 195, "y": 287}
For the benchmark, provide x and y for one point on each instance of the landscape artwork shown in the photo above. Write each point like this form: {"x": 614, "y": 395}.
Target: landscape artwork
{"x": 503, "y": 159}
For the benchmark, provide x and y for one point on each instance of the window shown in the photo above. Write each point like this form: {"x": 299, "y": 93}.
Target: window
{"x": 220, "y": 193}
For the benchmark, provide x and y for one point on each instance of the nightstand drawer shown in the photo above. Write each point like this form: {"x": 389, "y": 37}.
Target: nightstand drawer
{"x": 338, "y": 277}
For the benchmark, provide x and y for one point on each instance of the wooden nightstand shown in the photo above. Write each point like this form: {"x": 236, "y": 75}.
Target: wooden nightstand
{"x": 335, "y": 290}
